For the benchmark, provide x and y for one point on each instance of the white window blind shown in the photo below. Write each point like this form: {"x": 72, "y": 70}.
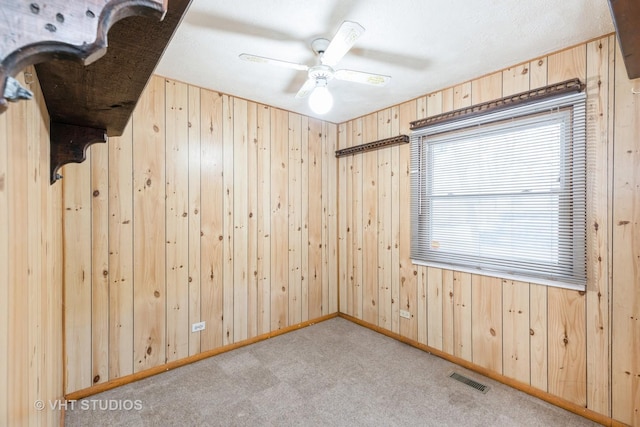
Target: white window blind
{"x": 504, "y": 194}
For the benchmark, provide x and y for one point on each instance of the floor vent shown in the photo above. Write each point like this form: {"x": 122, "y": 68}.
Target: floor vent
{"x": 468, "y": 381}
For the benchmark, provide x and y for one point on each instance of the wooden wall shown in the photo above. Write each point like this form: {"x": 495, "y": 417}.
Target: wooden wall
{"x": 30, "y": 266}
{"x": 583, "y": 347}
{"x": 208, "y": 208}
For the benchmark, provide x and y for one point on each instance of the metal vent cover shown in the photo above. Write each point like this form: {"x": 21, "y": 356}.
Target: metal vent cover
{"x": 468, "y": 381}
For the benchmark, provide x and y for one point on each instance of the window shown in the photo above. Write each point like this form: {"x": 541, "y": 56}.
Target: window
{"x": 504, "y": 194}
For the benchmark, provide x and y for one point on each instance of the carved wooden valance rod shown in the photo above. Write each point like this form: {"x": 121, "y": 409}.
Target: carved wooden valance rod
{"x": 369, "y": 146}
{"x": 568, "y": 86}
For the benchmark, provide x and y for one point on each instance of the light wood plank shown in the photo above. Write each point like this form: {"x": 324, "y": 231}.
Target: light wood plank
{"x": 448, "y": 319}
{"x": 77, "y": 275}
{"x": 370, "y": 218}
{"x": 486, "y": 312}
{"x": 227, "y": 265}
{"x": 177, "y": 219}
{"x": 149, "y": 293}
{"x": 330, "y": 291}
{"x": 34, "y": 280}
{"x": 5, "y": 181}
{"x": 421, "y": 107}
{"x": 538, "y": 342}
{"x": 385, "y": 231}
{"x": 51, "y": 378}
{"x": 462, "y": 95}
{"x": 264, "y": 219}
{"x": 486, "y": 88}
{"x": 348, "y": 252}
{"x": 295, "y": 219}
{"x": 396, "y": 206}
{"x": 567, "y": 64}
{"x": 279, "y": 219}
{"x": 434, "y": 307}
{"x": 567, "y": 345}
{"x": 121, "y": 254}
{"x": 447, "y": 100}
{"x": 598, "y": 286}
{"x": 516, "y": 337}
{"x": 408, "y": 271}
{"x": 357, "y": 200}
{"x": 462, "y": 330}
{"x": 515, "y": 79}
{"x": 344, "y": 224}
{"x": 434, "y": 103}
{"x": 304, "y": 219}
{"x": 193, "y": 135}
{"x": 212, "y": 222}
{"x": 237, "y": 190}
{"x": 252, "y": 219}
{"x": 538, "y": 73}
{"x": 316, "y": 239}
{"x": 625, "y": 322}
{"x": 100, "y": 263}
{"x": 423, "y": 326}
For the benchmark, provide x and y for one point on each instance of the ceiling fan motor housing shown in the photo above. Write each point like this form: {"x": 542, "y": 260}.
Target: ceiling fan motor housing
{"x": 323, "y": 72}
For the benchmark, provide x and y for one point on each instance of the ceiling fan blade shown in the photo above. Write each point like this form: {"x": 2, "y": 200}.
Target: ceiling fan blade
{"x": 342, "y": 42}
{"x": 306, "y": 88}
{"x": 362, "y": 77}
{"x": 263, "y": 60}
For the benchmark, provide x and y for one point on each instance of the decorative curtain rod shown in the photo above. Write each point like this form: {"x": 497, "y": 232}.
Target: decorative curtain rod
{"x": 369, "y": 146}
{"x": 568, "y": 86}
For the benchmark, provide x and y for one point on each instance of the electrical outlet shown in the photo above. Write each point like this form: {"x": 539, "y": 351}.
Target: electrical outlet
{"x": 405, "y": 314}
{"x": 197, "y": 327}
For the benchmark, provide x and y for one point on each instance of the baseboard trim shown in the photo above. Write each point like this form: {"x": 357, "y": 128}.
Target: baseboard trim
{"x": 127, "y": 379}
{"x": 526, "y": 388}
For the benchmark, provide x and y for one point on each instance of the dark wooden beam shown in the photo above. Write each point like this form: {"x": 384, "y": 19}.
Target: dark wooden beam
{"x": 43, "y": 30}
{"x": 626, "y": 18}
{"x": 102, "y": 95}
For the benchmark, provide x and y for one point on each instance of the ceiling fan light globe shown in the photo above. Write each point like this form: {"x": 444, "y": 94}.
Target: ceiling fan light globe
{"x": 321, "y": 100}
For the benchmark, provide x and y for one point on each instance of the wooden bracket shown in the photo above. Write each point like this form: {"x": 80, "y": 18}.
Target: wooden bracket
{"x": 69, "y": 144}
{"x": 39, "y": 31}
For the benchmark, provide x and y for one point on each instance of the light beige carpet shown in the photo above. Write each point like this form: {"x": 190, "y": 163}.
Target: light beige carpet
{"x": 334, "y": 373}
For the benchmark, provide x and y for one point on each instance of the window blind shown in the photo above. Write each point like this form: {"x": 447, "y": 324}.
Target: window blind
{"x": 504, "y": 194}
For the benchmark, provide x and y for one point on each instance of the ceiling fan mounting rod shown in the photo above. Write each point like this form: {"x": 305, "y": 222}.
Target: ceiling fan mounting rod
{"x": 319, "y": 46}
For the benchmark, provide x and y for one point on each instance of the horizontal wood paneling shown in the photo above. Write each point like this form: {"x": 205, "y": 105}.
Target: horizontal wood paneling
{"x": 207, "y": 216}
{"x": 559, "y": 341}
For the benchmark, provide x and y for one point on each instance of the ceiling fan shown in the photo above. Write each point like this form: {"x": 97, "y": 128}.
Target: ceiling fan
{"x": 329, "y": 53}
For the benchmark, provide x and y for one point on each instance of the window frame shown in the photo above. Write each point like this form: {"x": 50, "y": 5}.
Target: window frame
{"x": 575, "y": 104}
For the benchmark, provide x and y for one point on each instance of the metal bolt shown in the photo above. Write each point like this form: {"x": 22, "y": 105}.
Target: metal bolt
{"x": 35, "y": 8}
{"x": 90, "y": 14}
{"x": 60, "y": 17}
{"x": 51, "y": 27}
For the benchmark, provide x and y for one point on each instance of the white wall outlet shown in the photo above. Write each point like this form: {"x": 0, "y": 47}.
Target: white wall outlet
{"x": 197, "y": 327}
{"x": 405, "y": 314}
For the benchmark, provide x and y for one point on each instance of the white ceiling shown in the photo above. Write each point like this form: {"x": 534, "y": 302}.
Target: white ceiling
{"x": 425, "y": 45}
